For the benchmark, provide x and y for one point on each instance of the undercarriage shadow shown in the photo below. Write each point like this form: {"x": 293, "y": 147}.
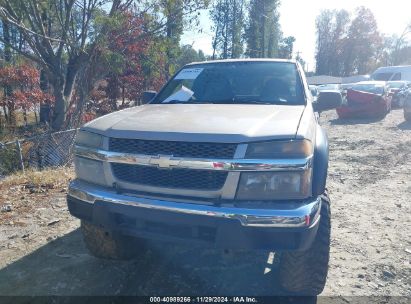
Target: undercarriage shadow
{"x": 64, "y": 267}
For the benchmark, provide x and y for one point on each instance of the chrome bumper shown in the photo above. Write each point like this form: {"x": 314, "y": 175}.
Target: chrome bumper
{"x": 304, "y": 216}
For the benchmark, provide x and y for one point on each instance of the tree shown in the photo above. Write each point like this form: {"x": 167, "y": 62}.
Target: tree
{"x": 59, "y": 38}
{"x": 401, "y": 52}
{"x": 332, "y": 26}
{"x": 286, "y": 47}
{"x": 120, "y": 59}
{"x": 188, "y": 55}
{"x": 347, "y": 47}
{"x": 394, "y": 51}
{"x": 228, "y": 26}
{"x": 263, "y": 32}
{"x": 339, "y": 34}
{"x": 23, "y": 81}
{"x": 64, "y": 37}
{"x": 167, "y": 20}
{"x": 126, "y": 64}
{"x": 323, "y": 25}
{"x": 173, "y": 10}
{"x": 8, "y": 79}
{"x": 363, "y": 41}
{"x": 127, "y": 46}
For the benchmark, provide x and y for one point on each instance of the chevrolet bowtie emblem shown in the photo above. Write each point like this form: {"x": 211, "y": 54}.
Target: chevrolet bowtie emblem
{"x": 163, "y": 161}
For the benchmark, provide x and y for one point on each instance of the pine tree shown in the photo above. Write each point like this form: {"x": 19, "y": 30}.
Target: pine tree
{"x": 263, "y": 34}
{"x": 228, "y": 25}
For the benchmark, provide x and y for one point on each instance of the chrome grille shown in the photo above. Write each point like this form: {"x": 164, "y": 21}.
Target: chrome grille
{"x": 173, "y": 178}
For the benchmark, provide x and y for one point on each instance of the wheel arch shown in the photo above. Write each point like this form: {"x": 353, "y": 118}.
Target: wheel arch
{"x": 320, "y": 162}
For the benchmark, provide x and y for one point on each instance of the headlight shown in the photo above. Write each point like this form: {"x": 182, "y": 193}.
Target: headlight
{"x": 274, "y": 185}
{"x": 89, "y": 139}
{"x": 280, "y": 149}
{"x": 87, "y": 169}
{"x": 90, "y": 170}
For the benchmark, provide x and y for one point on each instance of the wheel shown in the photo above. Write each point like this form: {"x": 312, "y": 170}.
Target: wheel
{"x": 305, "y": 272}
{"x": 407, "y": 116}
{"x": 104, "y": 244}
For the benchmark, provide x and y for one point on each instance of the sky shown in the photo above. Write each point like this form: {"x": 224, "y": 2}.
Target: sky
{"x": 297, "y": 18}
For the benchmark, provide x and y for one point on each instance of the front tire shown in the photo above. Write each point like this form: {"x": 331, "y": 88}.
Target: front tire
{"x": 305, "y": 272}
{"x": 106, "y": 245}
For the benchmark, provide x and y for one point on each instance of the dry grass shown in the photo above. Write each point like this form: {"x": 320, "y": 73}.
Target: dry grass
{"x": 49, "y": 178}
{"x": 26, "y": 192}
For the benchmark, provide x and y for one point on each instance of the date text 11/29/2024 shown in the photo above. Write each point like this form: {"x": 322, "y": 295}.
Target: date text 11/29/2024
{"x": 203, "y": 300}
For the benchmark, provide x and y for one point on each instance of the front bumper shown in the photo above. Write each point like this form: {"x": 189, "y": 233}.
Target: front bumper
{"x": 290, "y": 226}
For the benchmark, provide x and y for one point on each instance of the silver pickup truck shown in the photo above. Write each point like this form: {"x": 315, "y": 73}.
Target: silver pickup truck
{"x": 228, "y": 154}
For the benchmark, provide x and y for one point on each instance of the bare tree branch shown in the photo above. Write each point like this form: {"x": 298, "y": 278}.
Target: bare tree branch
{"x": 25, "y": 54}
{"x": 65, "y": 28}
{"x": 24, "y": 28}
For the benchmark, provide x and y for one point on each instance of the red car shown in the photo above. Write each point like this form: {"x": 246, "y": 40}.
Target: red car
{"x": 366, "y": 99}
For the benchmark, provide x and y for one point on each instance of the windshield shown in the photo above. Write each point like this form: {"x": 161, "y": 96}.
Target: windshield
{"x": 371, "y": 88}
{"x": 235, "y": 83}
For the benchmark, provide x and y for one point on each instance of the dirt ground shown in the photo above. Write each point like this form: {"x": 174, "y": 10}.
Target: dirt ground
{"x": 42, "y": 252}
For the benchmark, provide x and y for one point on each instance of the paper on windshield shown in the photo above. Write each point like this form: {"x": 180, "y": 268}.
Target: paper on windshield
{"x": 189, "y": 74}
{"x": 184, "y": 94}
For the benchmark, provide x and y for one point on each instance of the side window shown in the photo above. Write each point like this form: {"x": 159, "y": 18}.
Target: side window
{"x": 397, "y": 76}
{"x": 382, "y": 76}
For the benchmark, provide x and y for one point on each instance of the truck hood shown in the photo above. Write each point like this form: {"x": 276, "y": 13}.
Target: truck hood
{"x": 201, "y": 122}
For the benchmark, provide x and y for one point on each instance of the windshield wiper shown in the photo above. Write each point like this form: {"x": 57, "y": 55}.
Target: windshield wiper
{"x": 228, "y": 101}
{"x": 253, "y": 101}
{"x": 190, "y": 101}
{"x": 177, "y": 101}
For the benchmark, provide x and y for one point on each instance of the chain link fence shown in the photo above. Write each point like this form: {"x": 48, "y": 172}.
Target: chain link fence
{"x": 45, "y": 150}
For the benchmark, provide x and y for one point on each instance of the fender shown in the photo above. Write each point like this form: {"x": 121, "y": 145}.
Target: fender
{"x": 320, "y": 165}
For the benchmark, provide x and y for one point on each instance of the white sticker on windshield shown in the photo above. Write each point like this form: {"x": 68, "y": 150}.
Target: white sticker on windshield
{"x": 184, "y": 94}
{"x": 187, "y": 74}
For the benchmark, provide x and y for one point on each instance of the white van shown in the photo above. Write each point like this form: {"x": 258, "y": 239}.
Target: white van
{"x": 393, "y": 73}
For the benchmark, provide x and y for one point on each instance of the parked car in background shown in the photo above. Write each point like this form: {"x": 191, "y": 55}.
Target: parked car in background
{"x": 392, "y": 73}
{"x": 398, "y": 90}
{"x": 355, "y": 79}
{"x": 329, "y": 87}
{"x": 314, "y": 91}
{"x": 407, "y": 105}
{"x": 346, "y": 86}
{"x": 366, "y": 99}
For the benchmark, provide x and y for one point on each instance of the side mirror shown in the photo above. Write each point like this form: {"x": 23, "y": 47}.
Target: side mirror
{"x": 328, "y": 100}
{"x": 148, "y": 96}
{"x": 314, "y": 92}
